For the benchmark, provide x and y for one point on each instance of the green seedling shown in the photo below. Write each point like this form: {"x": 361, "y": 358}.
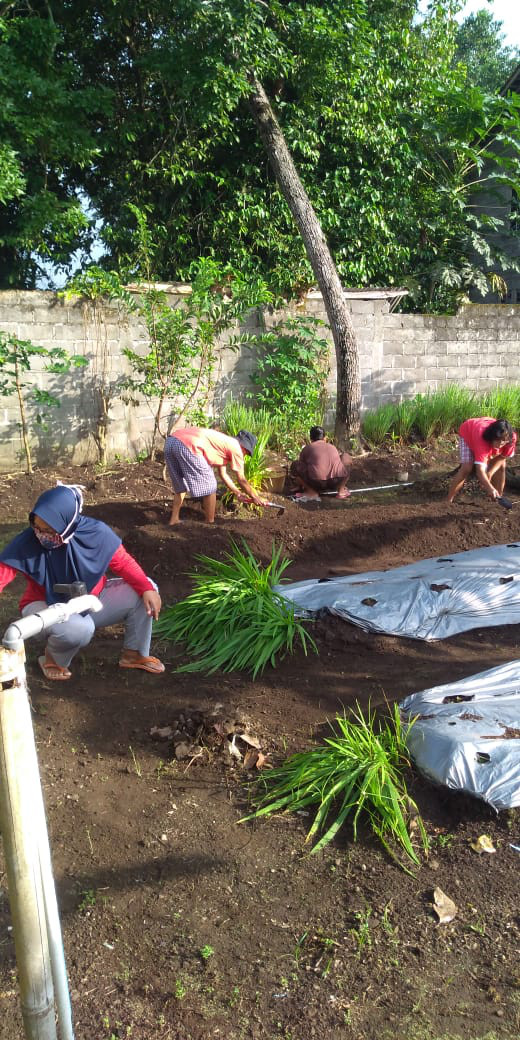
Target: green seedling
{"x": 137, "y": 764}
{"x": 445, "y": 841}
{"x": 206, "y": 952}
{"x": 361, "y": 934}
{"x": 87, "y": 901}
{"x": 179, "y": 990}
{"x": 358, "y": 770}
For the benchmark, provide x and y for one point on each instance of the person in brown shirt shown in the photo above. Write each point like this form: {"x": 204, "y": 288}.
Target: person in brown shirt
{"x": 320, "y": 467}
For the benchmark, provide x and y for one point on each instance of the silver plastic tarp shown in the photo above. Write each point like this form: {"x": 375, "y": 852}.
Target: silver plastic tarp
{"x": 465, "y": 737}
{"x": 430, "y": 599}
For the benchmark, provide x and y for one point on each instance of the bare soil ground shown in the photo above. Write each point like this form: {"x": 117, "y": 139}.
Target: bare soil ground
{"x": 181, "y": 925}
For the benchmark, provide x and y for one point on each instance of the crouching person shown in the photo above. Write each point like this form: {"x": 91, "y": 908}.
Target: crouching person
{"x": 61, "y": 546}
{"x": 485, "y": 444}
{"x": 320, "y": 467}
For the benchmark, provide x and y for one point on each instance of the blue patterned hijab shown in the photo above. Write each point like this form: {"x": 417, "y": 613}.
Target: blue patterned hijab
{"x": 88, "y": 544}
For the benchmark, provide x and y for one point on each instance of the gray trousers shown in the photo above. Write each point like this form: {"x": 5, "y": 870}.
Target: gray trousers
{"x": 120, "y": 604}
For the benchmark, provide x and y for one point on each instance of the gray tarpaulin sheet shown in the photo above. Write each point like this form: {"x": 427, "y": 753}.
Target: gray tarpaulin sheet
{"x": 467, "y": 734}
{"x": 430, "y": 599}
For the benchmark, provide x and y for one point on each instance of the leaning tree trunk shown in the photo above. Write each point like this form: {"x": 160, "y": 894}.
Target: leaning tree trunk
{"x": 348, "y": 397}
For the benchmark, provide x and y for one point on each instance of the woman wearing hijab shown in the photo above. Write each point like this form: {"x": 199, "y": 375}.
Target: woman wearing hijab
{"x": 60, "y": 547}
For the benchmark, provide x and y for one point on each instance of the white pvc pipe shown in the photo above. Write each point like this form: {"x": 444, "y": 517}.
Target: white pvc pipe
{"x": 35, "y": 624}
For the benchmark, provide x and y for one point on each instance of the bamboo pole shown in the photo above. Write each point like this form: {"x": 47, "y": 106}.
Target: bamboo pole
{"x": 19, "y": 779}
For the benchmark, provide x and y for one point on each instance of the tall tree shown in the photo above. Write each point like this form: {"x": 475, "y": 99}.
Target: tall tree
{"x": 47, "y": 139}
{"x": 348, "y": 395}
{"x": 480, "y": 47}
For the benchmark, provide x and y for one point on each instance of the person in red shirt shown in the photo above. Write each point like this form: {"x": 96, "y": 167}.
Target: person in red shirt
{"x": 485, "y": 444}
{"x": 320, "y": 467}
{"x": 61, "y": 546}
{"x": 191, "y": 453}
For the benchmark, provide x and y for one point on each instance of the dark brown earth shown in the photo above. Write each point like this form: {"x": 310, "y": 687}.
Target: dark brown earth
{"x": 180, "y": 925}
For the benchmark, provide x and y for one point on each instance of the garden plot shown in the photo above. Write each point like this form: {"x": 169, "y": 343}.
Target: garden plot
{"x": 429, "y": 599}
{"x": 467, "y": 734}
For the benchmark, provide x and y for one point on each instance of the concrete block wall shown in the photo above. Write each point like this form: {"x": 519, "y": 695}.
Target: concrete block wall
{"x": 477, "y": 348}
{"x": 400, "y": 355}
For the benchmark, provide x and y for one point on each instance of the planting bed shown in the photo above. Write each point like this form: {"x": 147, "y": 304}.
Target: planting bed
{"x": 180, "y": 924}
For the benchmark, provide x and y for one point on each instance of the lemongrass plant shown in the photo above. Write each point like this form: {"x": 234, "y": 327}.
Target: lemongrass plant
{"x": 358, "y": 772}
{"x": 234, "y": 620}
{"x": 239, "y": 416}
{"x": 256, "y": 466}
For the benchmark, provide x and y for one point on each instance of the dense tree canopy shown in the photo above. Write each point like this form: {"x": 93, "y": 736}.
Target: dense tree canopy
{"x": 149, "y": 106}
{"x": 480, "y": 47}
{"x": 48, "y": 138}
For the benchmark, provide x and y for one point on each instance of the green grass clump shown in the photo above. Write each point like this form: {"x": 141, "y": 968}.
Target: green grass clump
{"x": 239, "y": 416}
{"x": 377, "y": 425}
{"x": 357, "y": 771}
{"x": 234, "y": 619}
{"x": 439, "y": 413}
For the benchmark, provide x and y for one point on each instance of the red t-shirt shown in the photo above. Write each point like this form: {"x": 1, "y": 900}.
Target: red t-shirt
{"x": 471, "y": 431}
{"x": 121, "y": 564}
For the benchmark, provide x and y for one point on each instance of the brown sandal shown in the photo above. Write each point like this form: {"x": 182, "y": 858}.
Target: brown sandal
{"x": 147, "y": 664}
{"x": 53, "y": 671}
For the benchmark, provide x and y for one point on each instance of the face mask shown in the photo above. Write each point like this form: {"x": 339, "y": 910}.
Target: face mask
{"x": 48, "y": 540}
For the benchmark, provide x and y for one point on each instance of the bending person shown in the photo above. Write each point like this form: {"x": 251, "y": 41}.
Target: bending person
{"x": 61, "y": 546}
{"x": 190, "y": 455}
{"x": 486, "y": 444}
{"x": 320, "y": 467}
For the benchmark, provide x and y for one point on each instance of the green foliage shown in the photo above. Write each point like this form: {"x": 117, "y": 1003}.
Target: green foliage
{"x": 256, "y": 466}
{"x": 184, "y": 340}
{"x": 234, "y": 619}
{"x": 439, "y": 413}
{"x": 502, "y": 403}
{"x": 480, "y": 48}
{"x": 47, "y": 128}
{"x": 17, "y": 357}
{"x": 359, "y": 770}
{"x": 376, "y": 425}
{"x": 151, "y": 115}
{"x": 290, "y": 377}
{"x": 239, "y": 416}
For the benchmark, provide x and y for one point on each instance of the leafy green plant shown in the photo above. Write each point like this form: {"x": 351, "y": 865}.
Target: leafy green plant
{"x": 402, "y": 424}
{"x": 16, "y": 360}
{"x": 358, "y": 770}
{"x": 239, "y": 416}
{"x": 87, "y": 901}
{"x": 179, "y": 990}
{"x": 361, "y": 934}
{"x": 183, "y": 340}
{"x": 438, "y": 413}
{"x": 256, "y": 467}
{"x": 376, "y": 425}
{"x": 290, "y": 377}
{"x": 234, "y": 619}
{"x": 503, "y": 403}
{"x": 206, "y": 952}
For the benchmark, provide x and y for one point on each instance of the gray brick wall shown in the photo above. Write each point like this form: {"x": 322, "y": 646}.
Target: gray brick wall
{"x": 400, "y": 355}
